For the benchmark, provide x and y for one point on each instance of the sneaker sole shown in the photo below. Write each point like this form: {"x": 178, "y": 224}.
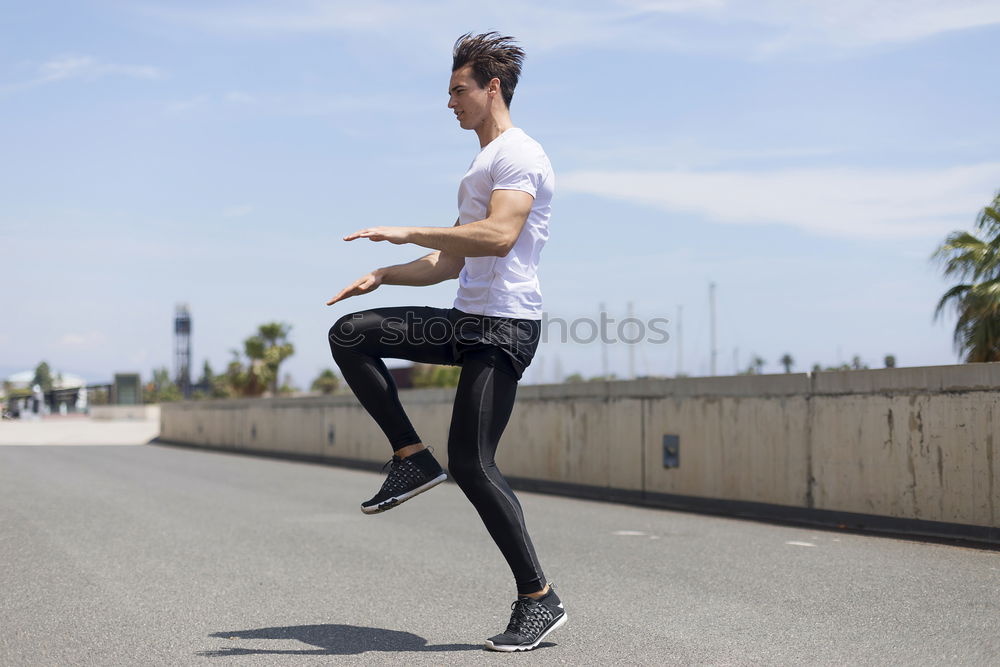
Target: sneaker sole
{"x": 526, "y": 647}
{"x": 393, "y": 502}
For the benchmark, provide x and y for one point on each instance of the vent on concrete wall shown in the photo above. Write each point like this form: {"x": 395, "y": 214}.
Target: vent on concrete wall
{"x": 671, "y": 451}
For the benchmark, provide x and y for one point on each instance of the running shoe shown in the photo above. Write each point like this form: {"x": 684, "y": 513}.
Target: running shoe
{"x": 530, "y": 621}
{"x": 407, "y": 477}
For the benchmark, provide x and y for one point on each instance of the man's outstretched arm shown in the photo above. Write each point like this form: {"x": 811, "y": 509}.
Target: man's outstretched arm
{"x": 493, "y": 236}
{"x": 427, "y": 270}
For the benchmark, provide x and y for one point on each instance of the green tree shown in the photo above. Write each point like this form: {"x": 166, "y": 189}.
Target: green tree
{"x": 265, "y": 351}
{"x": 270, "y": 345}
{"x": 434, "y": 375}
{"x": 890, "y": 361}
{"x": 251, "y": 379}
{"x": 787, "y": 361}
{"x": 161, "y": 389}
{"x": 287, "y": 385}
{"x": 974, "y": 260}
{"x": 574, "y": 377}
{"x": 756, "y": 366}
{"x": 207, "y": 375}
{"x": 212, "y": 385}
{"x": 43, "y": 377}
{"x": 326, "y": 382}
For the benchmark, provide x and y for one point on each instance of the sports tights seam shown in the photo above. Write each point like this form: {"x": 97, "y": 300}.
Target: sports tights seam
{"x": 482, "y": 466}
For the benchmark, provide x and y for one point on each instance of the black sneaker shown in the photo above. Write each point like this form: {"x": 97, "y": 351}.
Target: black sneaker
{"x": 408, "y": 477}
{"x": 530, "y": 621}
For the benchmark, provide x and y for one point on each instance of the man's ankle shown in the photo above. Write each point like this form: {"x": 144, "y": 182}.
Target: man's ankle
{"x": 538, "y": 594}
{"x": 403, "y": 452}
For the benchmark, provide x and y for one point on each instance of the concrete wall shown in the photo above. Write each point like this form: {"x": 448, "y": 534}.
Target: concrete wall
{"x": 910, "y": 443}
{"x": 125, "y": 412}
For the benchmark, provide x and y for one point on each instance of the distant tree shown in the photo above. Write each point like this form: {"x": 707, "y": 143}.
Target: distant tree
{"x": 288, "y": 385}
{"x": 211, "y": 385}
{"x": 251, "y": 379}
{"x": 274, "y": 346}
{"x": 326, "y": 382}
{"x": 433, "y": 375}
{"x": 161, "y": 389}
{"x": 974, "y": 260}
{"x": 756, "y": 366}
{"x": 207, "y": 375}
{"x": 42, "y": 377}
{"x": 787, "y": 361}
{"x": 841, "y": 367}
{"x": 890, "y": 361}
{"x": 264, "y": 351}
{"x": 603, "y": 378}
{"x": 857, "y": 364}
{"x": 574, "y": 377}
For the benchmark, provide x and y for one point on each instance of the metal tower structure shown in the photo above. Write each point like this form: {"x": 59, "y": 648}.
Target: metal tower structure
{"x": 182, "y": 349}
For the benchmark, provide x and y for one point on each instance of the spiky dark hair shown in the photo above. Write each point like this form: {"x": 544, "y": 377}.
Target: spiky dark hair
{"x": 491, "y": 55}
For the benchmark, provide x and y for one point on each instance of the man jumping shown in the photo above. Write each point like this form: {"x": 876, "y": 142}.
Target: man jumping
{"x": 491, "y": 331}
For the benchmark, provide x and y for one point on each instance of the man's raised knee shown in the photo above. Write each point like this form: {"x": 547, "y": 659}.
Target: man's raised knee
{"x": 346, "y": 331}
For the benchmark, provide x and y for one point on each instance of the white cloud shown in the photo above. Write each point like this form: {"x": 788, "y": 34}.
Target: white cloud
{"x": 858, "y": 23}
{"x": 747, "y": 27}
{"x": 189, "y": 104}
{"x": 303, "y": 104}
{"x": 860, "y": 203}
{"x": 82, "y": 340}
{"x": 87, "y": 68}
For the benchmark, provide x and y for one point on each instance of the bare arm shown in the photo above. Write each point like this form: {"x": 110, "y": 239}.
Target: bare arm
{"x": 494, "y": 235}
{"x": 428, "y": 270}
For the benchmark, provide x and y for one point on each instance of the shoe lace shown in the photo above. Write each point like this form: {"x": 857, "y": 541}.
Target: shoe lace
{"x": 520, "y": 614}
{"x": 392, "y": 480}
{"x": 402, "y": 475}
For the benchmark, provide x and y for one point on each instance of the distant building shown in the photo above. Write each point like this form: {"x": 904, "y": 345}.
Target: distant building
{"x": 69, "y": 394}
{"x": 23, "y": 380}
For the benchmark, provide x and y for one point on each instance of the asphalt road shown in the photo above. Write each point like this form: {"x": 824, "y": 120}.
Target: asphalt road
{"x": 159, "y": 555}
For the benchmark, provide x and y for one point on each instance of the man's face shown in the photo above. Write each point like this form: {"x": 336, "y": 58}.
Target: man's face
{"x": 467, "y": 99}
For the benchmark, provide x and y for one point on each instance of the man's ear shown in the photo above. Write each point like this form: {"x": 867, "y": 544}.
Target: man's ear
{"x": 494, "y": 85}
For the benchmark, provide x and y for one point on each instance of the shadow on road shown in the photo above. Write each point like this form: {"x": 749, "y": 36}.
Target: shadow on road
{"x": 335, "y": 639}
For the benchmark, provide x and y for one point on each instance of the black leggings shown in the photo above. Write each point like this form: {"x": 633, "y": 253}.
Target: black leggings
{"x": 484, "y": 400}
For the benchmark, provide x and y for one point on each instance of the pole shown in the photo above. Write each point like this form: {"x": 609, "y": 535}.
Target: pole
{"x": 680, "y": 340}
{"x": 711, "y": 306}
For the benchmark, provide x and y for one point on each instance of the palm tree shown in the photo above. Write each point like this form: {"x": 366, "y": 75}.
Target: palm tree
{"x": 975, "y": 261}
{"x": 787, "y": 361}
{"x": 270, "y": 345}
{"x": 326, "y": 382}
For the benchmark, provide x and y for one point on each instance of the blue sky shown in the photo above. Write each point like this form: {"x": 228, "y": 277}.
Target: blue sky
{"x": 807, "y": 157}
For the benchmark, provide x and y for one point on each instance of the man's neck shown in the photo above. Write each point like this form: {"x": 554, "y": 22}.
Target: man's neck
{"x": 495, "y": 125}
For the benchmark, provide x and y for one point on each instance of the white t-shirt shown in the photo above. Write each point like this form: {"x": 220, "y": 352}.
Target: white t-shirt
{"x": 506, "y": 286}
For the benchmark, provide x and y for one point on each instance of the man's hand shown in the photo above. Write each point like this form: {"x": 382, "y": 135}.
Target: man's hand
{"x": 362, "y": 285}
{"x": 397, "y": 235}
